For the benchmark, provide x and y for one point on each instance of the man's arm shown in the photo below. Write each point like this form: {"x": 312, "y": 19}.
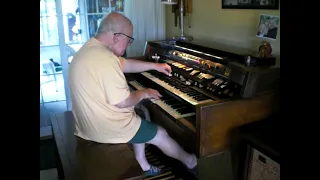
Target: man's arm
{"x": 136, "y": 66}
{"x": 136, "y": 96}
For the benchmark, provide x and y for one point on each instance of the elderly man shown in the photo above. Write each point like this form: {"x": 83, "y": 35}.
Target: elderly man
{"x": 103, "y": 106}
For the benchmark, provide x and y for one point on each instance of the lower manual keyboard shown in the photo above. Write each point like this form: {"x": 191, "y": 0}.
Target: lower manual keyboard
{"x": 172, "y": 107}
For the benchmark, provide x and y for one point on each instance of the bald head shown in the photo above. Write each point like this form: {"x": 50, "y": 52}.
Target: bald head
{"x": 115, "y": 33}
{"x": 114, "y": 22}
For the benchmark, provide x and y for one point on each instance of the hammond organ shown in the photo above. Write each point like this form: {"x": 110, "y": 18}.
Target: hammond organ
{"x": 210, "y": 92}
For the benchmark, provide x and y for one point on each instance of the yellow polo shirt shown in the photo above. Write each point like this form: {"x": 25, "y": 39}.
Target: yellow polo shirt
{"x": 96, "y": 84}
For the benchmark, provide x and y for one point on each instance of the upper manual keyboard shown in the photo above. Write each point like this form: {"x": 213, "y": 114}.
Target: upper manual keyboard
{"x": 183, "y": 91}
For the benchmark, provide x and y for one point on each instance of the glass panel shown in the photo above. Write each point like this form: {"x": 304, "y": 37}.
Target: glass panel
{"x": 97, "y": 6}
{"x": 51, "y": 79}
{"x": 47, "y": 8}
{"x": 117, "y": 5}
{"x": 72, "y": 30}
{"x": 51, "y": 82}
{"x": 48, "y": 31}
{"x": 103, "y": 6}
{"x": 48, "y": 23}
{"x": 93, "y": 24}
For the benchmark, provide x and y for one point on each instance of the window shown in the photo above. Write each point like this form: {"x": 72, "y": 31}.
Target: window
{"x": 81, "y": 19}
{"x": 48, "y": 31}
{"x": 97, "y": 9}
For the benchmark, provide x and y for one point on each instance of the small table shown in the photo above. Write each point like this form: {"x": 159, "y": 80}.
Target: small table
{"x": 78, "y": 159}
{"x": 259, "y": 149}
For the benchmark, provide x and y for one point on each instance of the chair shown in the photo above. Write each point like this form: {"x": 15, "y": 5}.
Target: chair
{"x": 70, "y": 53}
{"x": 49, "y": 68}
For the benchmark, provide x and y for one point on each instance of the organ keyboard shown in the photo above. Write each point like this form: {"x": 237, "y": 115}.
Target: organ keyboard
{"x": 210, "y": 92}
{"x": 178, "y": 88}
{"x": 174, "y": 108}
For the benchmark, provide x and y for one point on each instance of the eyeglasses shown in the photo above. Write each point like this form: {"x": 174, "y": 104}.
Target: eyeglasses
{"x": 131, "y": 39}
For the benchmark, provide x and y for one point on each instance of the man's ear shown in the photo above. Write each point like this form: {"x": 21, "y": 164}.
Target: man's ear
{"x": 116, "y": 38}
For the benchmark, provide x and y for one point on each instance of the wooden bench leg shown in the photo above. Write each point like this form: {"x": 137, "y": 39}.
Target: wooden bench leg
{"x": 58, "y": 162}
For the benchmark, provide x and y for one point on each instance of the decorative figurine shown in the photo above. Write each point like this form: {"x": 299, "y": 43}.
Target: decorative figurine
{"x": 265, "y": 49}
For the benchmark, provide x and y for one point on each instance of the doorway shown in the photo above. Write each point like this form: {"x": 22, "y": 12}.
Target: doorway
{"x": 65, "y": 25}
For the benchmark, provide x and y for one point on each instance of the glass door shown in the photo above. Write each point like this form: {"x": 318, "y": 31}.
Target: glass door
{"x": 52, "y": 85}
{"x": 65, "y": 25}
{"x": 81, "y": 19}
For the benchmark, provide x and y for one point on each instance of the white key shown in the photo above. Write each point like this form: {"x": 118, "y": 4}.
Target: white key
{"x": 137, "y": 85}
{"x": 161, "y": 103}
{"x": 172, "y": 111}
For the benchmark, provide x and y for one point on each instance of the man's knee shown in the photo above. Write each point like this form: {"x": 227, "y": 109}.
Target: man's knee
{"x": 160, "y": 136}
{"x": 161, "y": 132}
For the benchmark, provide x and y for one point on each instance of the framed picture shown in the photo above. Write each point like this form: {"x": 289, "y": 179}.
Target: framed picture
{"x": 250, "y": 4}
{"x": 268, "y": 27}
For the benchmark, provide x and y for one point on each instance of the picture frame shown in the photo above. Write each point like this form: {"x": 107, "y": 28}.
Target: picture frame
{"x": 250, "y": 4}
{"x": 268, "y": 27}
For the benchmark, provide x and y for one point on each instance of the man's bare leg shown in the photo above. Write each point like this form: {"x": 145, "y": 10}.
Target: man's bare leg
{"x": 171, "y": 148}
{"x": 139, "y": 151}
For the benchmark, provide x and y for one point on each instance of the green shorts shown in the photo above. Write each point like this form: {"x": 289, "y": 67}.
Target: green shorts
{"x": 146, "y": 132}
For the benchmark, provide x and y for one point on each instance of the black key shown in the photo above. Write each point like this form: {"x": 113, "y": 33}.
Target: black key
{"x": 201, "y": 98}
{"x": 176, "y": 106}
{"x": 197, "y": 95}
{"x": 170, "y": 101}
{"x": 191, "y": 92}
{"x": 166, "y": 99}
{"x": 186, "y": 90}
{"x": 184, "y": 110}
{"x": 165, "y": 96}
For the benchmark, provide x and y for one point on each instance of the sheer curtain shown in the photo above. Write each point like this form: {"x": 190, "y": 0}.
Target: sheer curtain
{"x": 148, "y": 19}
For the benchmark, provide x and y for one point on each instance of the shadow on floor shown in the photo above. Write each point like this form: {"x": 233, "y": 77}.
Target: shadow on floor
{"x": 50, "y": 174}
{"x": 47, "y": 154}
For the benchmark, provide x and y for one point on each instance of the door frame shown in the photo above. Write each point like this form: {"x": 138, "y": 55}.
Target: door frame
{"x": 63, "y": 52}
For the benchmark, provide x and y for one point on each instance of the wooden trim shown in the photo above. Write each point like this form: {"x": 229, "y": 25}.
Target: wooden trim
{"x": 218, "y": 119}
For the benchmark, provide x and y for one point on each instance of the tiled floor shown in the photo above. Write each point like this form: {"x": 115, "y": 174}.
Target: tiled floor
{"x": 52, "y": 107}
{"x": 50, "y": 174}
